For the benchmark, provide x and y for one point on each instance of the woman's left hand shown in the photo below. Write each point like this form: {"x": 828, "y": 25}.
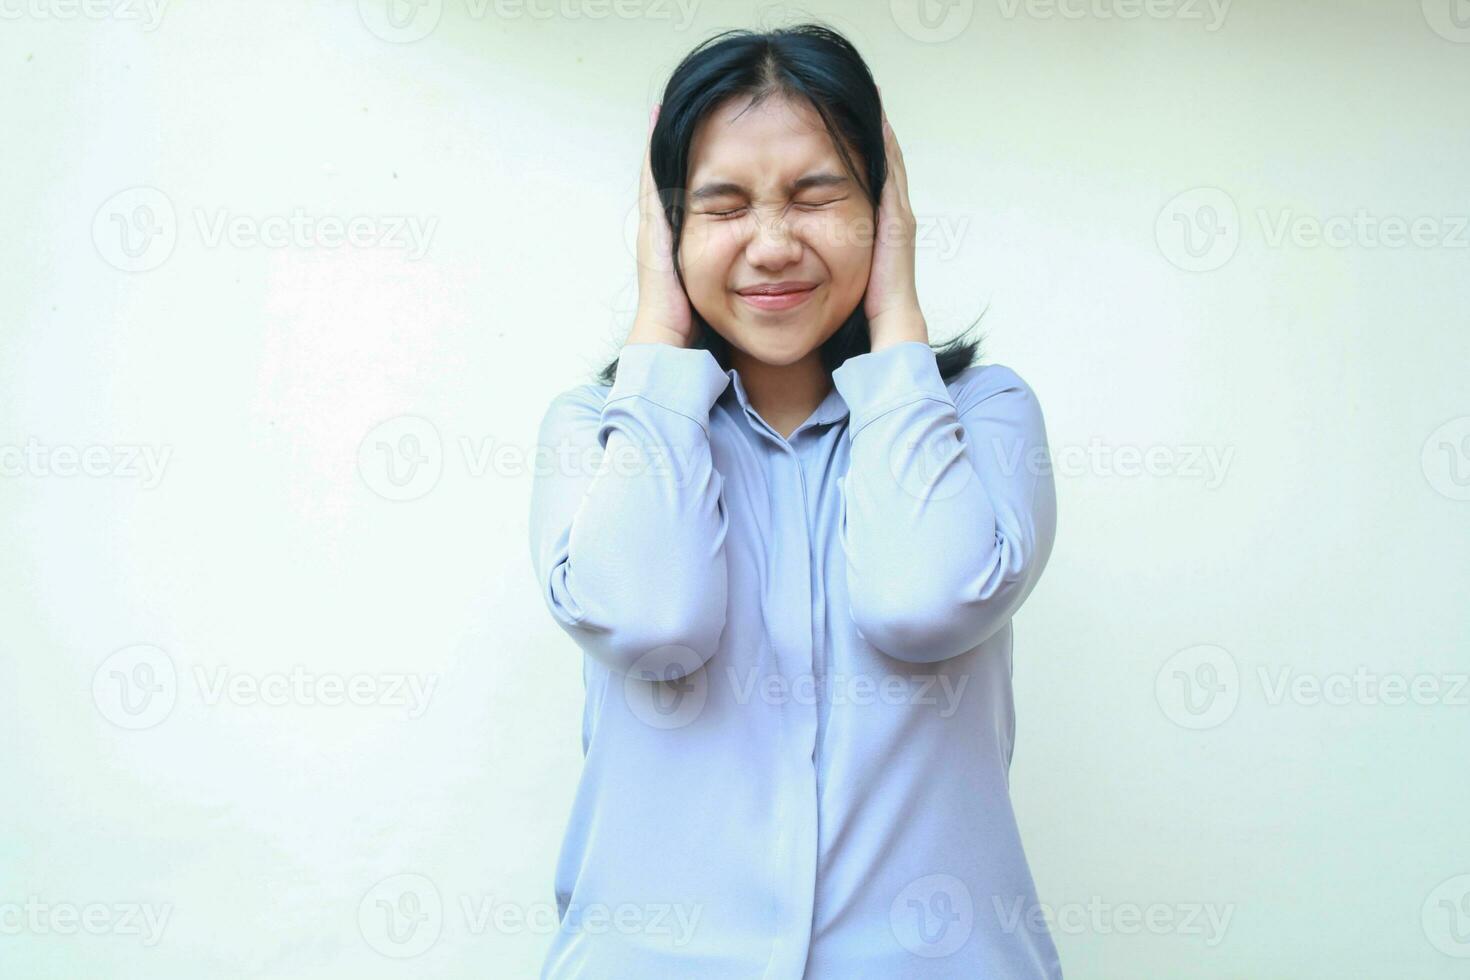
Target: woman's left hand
{"x": 892, "y": 300}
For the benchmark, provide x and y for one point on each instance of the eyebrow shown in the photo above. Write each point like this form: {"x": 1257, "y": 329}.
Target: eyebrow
{"x": 725, "y": 188}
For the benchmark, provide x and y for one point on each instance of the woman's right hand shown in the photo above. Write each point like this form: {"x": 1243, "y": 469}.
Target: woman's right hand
{"x": 664, "y": 315}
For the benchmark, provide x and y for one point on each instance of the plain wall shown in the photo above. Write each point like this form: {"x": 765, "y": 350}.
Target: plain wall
{"x": 238, "y": 472}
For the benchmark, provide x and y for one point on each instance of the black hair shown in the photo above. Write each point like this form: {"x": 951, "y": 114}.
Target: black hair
{"x": 809, "y": 62}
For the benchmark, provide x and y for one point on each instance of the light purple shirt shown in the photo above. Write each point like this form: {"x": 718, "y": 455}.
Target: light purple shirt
{"x": 798, "y": 722}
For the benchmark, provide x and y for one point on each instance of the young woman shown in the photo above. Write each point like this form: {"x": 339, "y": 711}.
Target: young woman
{"x": 789, "y": 537}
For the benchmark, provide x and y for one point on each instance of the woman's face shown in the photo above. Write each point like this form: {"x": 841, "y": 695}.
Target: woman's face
{"x": 769, "y": 202}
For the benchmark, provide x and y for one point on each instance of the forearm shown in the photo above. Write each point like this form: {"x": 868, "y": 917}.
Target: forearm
{"x": 945, "y": 531}
{"x": 632, "y": 561}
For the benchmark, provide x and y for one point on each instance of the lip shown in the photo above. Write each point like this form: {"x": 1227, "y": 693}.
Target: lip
{"x": 779, "y": 296}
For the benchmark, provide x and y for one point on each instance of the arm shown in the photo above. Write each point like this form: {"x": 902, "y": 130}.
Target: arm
{"x": 949, "y": 502}
{"x": 627, "y": 530}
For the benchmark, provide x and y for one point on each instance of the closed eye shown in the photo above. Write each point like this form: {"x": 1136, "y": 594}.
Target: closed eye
{"x": 806, "y": 205}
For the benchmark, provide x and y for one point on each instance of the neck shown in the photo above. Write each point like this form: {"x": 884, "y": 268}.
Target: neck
{"x": 784, "y": 395}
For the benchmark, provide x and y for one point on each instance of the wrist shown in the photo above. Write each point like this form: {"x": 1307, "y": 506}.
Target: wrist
{"x": 897, "y": 327}
{"x": 647, "y": 332}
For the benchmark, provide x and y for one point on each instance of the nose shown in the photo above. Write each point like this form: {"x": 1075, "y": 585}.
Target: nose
{"x": 772, "y": 246}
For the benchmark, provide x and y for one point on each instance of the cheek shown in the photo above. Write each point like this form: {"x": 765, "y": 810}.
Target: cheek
{"x": 704, "y": 256}
{"x": 844, "y": 243}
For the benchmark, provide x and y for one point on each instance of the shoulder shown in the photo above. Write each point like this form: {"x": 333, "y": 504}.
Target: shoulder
{"x": 996, "y": 384}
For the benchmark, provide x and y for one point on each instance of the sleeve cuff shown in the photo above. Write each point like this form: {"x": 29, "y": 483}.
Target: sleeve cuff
{"x": 877, "y": 382}
{"x": 685, "y": 380}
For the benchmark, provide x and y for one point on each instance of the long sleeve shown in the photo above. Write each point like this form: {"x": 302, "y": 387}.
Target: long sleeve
{"x": 949, "y": 502}
{"x": 627, "y": 530}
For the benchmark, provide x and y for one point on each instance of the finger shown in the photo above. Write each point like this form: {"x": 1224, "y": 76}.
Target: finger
{"x": 895, "y": 154}
{"x": 890, "y": 144}
{"x": 645, "y": 178}
{"x": 648, "y": 142}
{"x": 890, "y": 140}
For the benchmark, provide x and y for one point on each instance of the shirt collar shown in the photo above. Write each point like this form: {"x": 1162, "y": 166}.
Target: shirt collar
{"x": 831, "y": 409}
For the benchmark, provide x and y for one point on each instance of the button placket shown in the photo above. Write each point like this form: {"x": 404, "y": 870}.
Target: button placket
{"x": 810, "y": 665}
{"x": 797, "y": 653}
{"x": 814, "y": 598}
{"x": 792, "y": 647}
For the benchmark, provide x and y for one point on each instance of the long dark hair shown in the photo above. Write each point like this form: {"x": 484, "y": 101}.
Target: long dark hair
{"x": 808, "y": 62}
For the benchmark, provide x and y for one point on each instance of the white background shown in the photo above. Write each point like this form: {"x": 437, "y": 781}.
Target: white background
{"x": 1064, "y": 150}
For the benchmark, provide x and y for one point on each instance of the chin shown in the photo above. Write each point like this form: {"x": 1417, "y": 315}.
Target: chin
{"x": 776, "y": 345}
